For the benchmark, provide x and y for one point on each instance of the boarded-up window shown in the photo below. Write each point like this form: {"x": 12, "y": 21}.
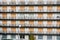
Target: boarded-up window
{"x": 49, "y": 23}
{"x": 49, "y": 8}
{"x": 31, "y": 8}
{"x": 40, "y": 22}
{"x": 13, "y": 29}
{"x": 40, "y": 15}
{"x": 4, "y": 22}
{"x": 22, "y": 22}
{"x": 31, "y": 22}
{"x": 13, "y": 15}
{"x": 4, "y": 15}
{"x": 22, "y": 8}
{"x": 40, "y": 7}
{"x": 4, "y": 29}
{"x": 49, "y": 30}
{"x": 50, "y": 15}
{"x": 22, "y": 29}
{"x": 31, "y": 29}
{"x": 40, "y": 30}
{"x": 13, "y": 22}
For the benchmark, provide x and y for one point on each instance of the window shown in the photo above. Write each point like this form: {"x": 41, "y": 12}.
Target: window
{"x": 31, "y": 16}
{"x": 21, "y": 16}
{"x": 58, "y": 37}
{"x": 56, "y": 15}
{"x": 22, "y": 36}
{"x": 13, "y": 36}
{"x": 26, "y": 16}
{"x": 35, "y": 22}
{"x": 4, "y": 37}
{"x": 40, "y": 37}
{"x": 49, "y": 37}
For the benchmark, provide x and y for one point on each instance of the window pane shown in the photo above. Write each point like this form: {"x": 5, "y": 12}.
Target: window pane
{"x": 4, "y": 36}
{"x": 13, "y": 36}
{"x": 49, "y": 37}
{"x": 40, "y": 37}
{"x": 58, "y": 37}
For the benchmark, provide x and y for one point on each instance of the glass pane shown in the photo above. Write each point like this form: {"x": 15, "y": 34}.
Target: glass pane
{"x": 49, "y": 37}
{"x": 13, "y": 36}
{"x": 4, "y": 36}
{"x": 40, "y": 37}
{"x": 58, "y": 37}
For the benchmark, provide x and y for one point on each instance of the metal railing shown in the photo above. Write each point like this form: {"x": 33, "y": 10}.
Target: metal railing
{"x": 25, "y": 10}
{"x": 29, "y": 25}
{"x": 30, "y": 2}
{"x": 28, "y": 17}
{"x": 31, "y": 32}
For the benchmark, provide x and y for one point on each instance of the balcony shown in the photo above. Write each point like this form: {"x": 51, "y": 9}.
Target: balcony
{"x": 39, "y": 3}
{"x": 29, "y": 11}
{"x": 3, "y": 3}
{"x": 27, "y": 33}
{"x": 12, "y": 3}
{"x": 30, "y": 19}
{"x": 29, "y": 26}
{"x": 58, "y": 2}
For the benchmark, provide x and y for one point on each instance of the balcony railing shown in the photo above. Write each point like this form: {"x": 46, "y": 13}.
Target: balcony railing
{"x": 29, "y": 10}
{"x": 30, "y": 18}
{"x": 30, "y": 3}
{"x": 29, "y": 26}
{"x": 11, "y": 32}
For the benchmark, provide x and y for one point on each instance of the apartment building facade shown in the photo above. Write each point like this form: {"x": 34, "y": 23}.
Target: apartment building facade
{"x": 20, "y": 18}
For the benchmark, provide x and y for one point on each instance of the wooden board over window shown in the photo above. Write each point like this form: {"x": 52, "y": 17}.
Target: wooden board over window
{"x": 49, "y": 7}
{"x": 49, "y": 15}
{"x": 40, "y": 7}
{"x": 49, "y": 30}
{"x": 4, "y": 22}
{"x": 58, "y": 22}
{"x": 40, "y": 29}
{"x": 40, "y": 22}
{"x": 4, "y": 29}
{"x": 13, "y": 29}
{"x": 58, "y": 7}
{"x": 31, "y": 8}
{"x": 22, "y": 29}
{"x": 4, "y": 15}
{"x": 22, "y": 22}
{"x": 13, "y": 15}
{"x": 13, "y": 22}
{"x": 4, "y": 8}
{"x": 31, "y": 22}
{"x": 31, "y": 29}
{"x": 58, "y": 30}
{"x": 22, "y": 8}
{"x": 13, "y": 8}
{"x": 49, "y": 23}
{"x": 40, "y": 15}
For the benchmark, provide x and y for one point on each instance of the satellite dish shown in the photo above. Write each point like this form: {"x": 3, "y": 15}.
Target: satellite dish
{"x": 19, "y": 25}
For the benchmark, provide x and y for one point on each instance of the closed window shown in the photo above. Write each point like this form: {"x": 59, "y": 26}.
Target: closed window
{"x": 58, "y": 37}
{"x": 13, "y": 36}
{"x": 49, "y": 37}
{"x": 4, "y": 37}
{"x": 40, "y": 37}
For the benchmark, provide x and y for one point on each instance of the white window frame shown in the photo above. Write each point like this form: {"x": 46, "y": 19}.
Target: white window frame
{"x": 44, "y": 8}
{"x": 8, "y": 30}
{"x": 35, "y": 22}
{"x": 8, "y": 36}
